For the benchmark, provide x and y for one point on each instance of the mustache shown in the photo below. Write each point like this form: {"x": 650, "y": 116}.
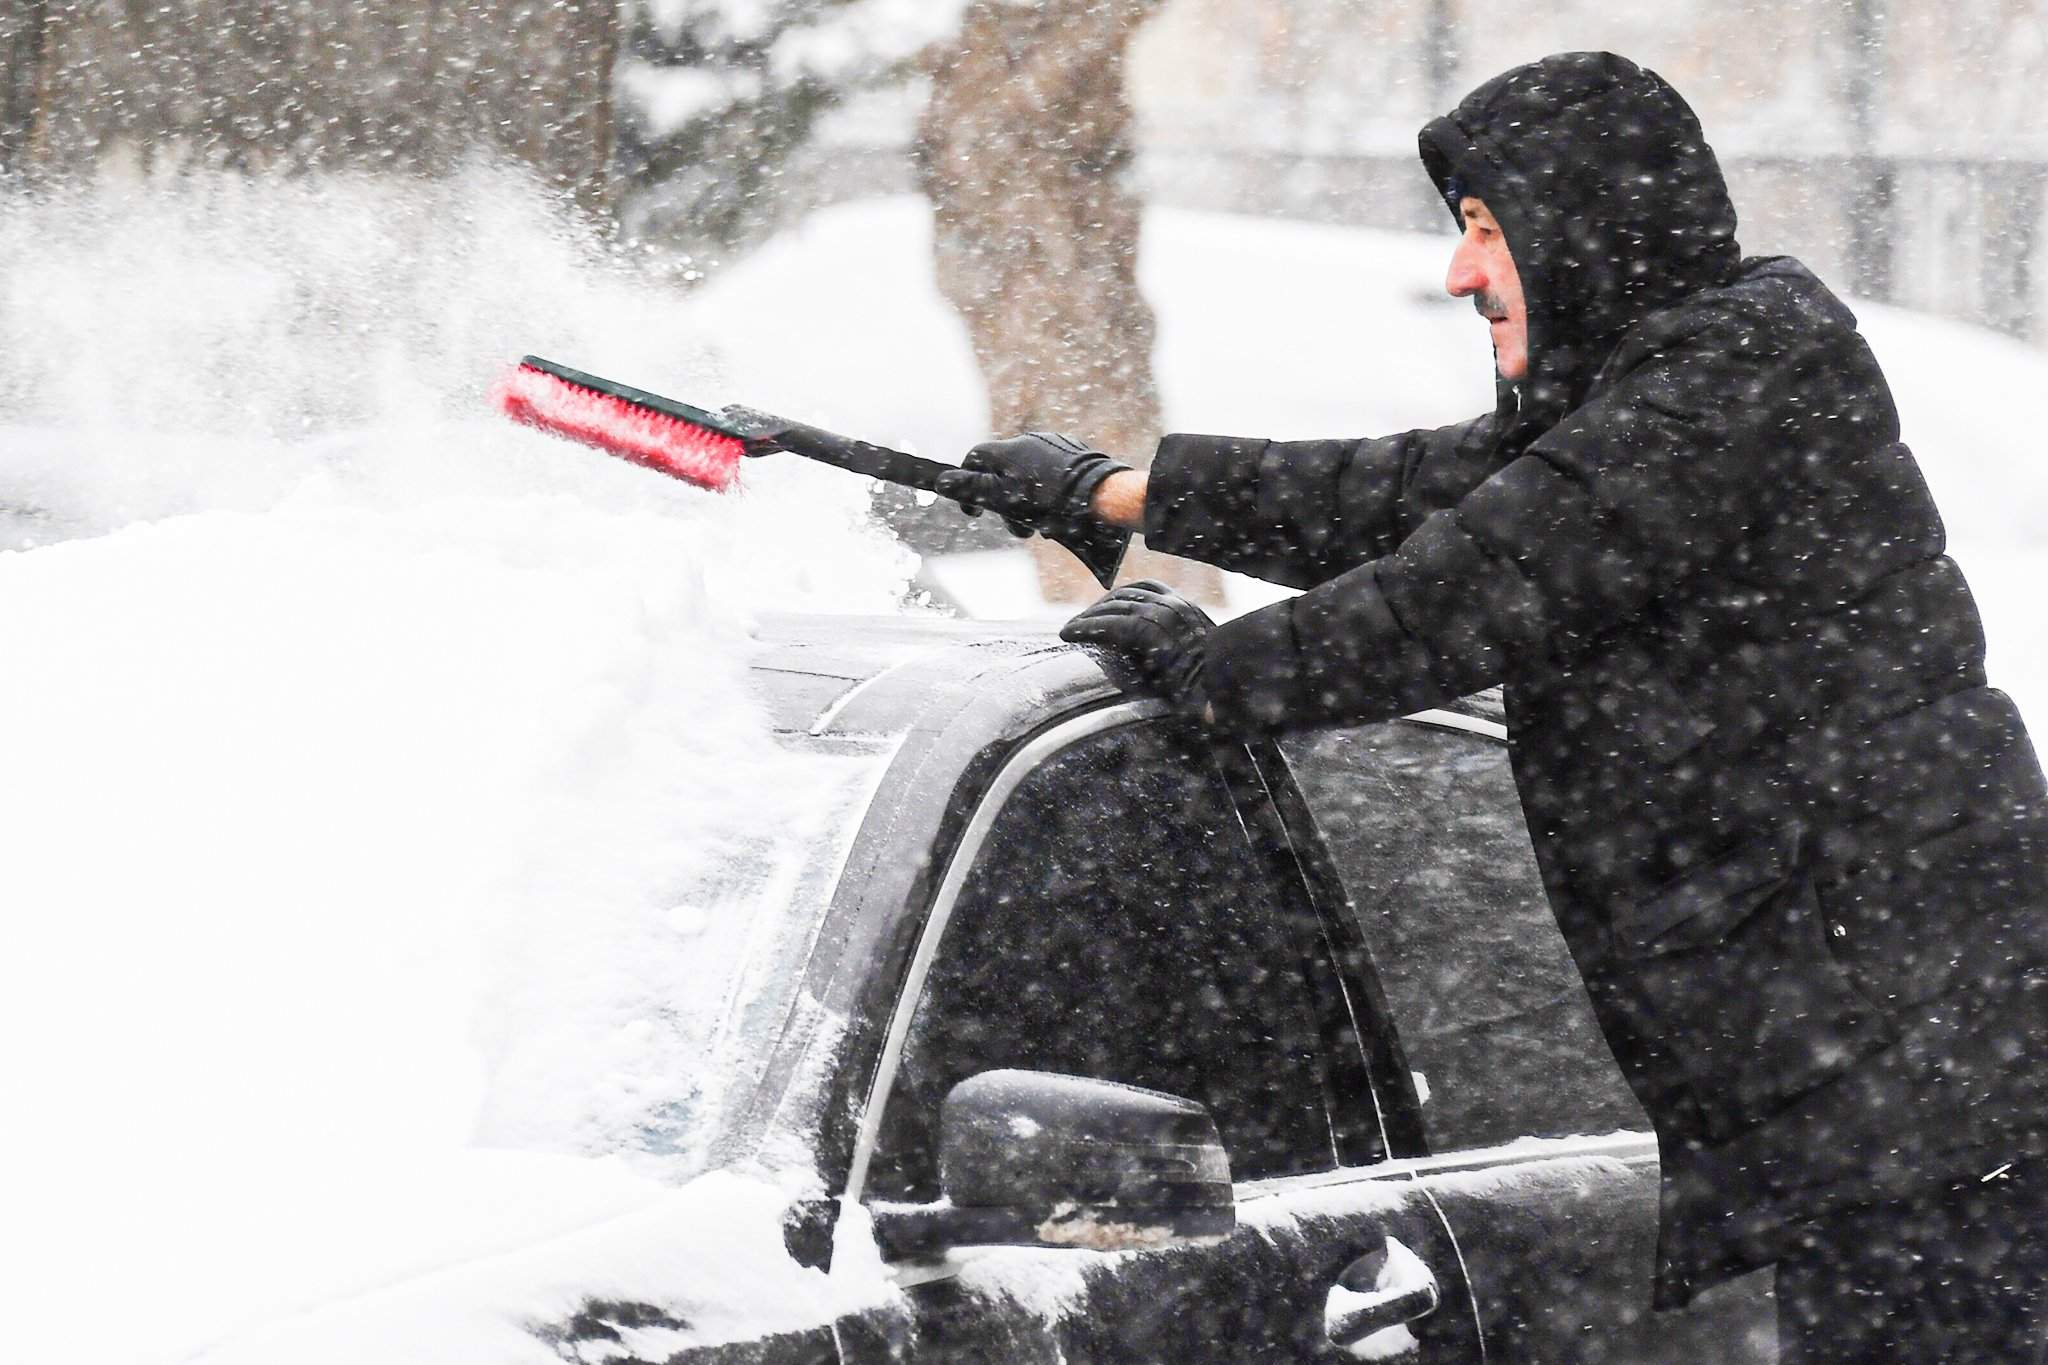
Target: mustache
{"x": 1489, "y": 306}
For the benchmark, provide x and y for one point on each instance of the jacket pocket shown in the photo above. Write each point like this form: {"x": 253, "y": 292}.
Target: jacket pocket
{"x": 1700, "y": 907}
{"x": 1731, "y": 962}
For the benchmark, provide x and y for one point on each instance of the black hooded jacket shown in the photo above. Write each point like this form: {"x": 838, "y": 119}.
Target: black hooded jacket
{"x": 1793, "y": 839}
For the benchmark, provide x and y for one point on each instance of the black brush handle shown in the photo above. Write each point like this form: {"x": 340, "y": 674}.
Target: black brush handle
{"x": 827, "y": 447}
{"x": 1099, "y": 546}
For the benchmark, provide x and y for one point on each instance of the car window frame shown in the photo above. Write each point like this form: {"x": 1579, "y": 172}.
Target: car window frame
{"x": 1262, "y": 793}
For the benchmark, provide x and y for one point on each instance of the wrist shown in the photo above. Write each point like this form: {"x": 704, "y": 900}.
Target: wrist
{"x": 1120, "y": 499}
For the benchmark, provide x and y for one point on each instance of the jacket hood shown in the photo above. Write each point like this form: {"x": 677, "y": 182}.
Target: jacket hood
{"x": 1611, "y": 202}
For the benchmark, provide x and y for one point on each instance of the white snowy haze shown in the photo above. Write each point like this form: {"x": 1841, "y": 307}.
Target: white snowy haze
{"x": 375, "y": 775}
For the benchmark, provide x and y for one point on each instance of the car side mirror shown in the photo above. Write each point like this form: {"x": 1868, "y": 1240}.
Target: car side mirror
{"x": 1031, "y": 1158}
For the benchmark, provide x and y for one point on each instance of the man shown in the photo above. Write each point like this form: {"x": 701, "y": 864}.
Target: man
{"x": 1794, "y": 840}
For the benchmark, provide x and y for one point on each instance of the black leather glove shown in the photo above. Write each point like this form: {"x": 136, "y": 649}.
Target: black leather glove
{"x": 1032, "y": 481}
{"x": 1149, "y": 639}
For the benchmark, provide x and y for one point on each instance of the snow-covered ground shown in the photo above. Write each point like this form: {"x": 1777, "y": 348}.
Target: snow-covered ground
{"x": 369, "y": 762}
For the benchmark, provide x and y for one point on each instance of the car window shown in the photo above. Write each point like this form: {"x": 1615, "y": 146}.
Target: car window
{"x": 1426, "y": 832}
{"x": 1118, "y": 923}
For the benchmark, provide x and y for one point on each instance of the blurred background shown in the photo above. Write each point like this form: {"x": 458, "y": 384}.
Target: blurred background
{"x": 1892, "y": 144}
{"x": 1897, "y": 145}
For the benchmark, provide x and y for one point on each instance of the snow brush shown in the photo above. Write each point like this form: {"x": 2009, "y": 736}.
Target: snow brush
{"x": 705, "y": 448}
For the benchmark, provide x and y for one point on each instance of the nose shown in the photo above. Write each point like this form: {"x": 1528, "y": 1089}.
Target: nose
{"x": 1467, "y": 275}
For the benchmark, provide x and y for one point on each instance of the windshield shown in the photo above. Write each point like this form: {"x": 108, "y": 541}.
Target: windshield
{"x": 752, "y": 915}
{"x": 626, "y": 1021}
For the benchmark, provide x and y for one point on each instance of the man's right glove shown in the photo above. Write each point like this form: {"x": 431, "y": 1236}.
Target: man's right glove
{"x": 1032, "y": 481}
{"x": 1149, "y": 639}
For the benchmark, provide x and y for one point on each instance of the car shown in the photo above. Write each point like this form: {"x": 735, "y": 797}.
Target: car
{"x": 1127, "y": 1041}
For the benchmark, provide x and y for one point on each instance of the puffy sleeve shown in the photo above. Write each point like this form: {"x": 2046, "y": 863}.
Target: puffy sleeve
{"x": 1301, "y": 512}
{"x": 1667, "y": 469}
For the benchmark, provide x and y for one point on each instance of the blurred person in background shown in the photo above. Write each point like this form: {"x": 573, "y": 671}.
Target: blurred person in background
{"x": 1793, "y": 838}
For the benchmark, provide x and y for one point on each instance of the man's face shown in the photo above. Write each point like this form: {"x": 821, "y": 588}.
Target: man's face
{"x": 1482, "y": 270}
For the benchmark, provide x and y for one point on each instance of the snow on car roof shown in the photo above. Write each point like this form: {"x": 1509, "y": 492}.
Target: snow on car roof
{"x": 816, "y": 674}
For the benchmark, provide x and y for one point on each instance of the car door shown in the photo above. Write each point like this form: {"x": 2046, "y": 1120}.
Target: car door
{"x": 1123, "y": 906}
{"x": 1538, "y": 1152}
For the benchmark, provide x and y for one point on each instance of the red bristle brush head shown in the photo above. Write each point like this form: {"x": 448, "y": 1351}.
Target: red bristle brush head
{"x": 683, "y": 450}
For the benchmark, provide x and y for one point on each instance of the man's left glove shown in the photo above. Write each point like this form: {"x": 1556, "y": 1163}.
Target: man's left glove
{"x": 1032, "y": 481}
{"x": 1149, "y": 639}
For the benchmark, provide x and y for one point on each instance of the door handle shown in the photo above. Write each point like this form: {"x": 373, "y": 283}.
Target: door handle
{"x": 1379, "y": 1290}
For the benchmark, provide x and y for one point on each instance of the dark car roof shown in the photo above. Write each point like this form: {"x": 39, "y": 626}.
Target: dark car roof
{"x": 876, "y": 676}
{"x": 873, "y": 676}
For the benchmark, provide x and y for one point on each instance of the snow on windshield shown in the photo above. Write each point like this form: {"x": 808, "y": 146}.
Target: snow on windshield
{"x": 387, "y": 815}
